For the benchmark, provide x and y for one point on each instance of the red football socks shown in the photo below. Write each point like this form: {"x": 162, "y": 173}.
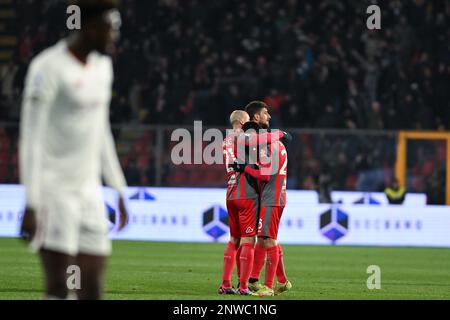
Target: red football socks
{"x": 281, "y": 274}
{"x": 271, "y": 265}
{"x": 238, "y": 264}
{"x": 246, "y": 261}
{"x": 258, "y": 263}
{"x": 229, "y": 257}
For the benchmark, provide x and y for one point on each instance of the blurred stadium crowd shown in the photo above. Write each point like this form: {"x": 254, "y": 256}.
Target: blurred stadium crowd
{"x": 314, "y": 62}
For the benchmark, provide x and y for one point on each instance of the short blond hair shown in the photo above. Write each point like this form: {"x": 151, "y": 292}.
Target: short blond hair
{"x": 238, "y": 116}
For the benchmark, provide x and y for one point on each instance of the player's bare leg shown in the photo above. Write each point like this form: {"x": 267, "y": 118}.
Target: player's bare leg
{"x": 92, "y": 270}
{"x": 55, "y": 268}
{"x": 235, "y": 241}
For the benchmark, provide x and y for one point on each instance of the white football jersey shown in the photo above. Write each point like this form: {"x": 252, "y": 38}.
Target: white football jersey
{"x": 66, "y": 142}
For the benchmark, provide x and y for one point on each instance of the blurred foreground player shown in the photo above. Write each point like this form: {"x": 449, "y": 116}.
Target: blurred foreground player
{"x": 66, "y": 145}
{"x": 270, "y": 211}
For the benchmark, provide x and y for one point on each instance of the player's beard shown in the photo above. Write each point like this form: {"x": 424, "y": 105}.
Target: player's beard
{"x": 265, "y": 125}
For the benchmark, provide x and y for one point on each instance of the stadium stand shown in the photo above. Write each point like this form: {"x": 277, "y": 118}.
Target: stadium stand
{"x": 315, "y": 63}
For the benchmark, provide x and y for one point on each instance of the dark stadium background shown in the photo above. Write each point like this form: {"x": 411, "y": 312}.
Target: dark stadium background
{"x": 343, "y": 90}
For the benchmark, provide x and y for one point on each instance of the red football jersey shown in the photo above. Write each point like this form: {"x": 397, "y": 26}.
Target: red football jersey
{"x": 242, "y": 185}
{"x": 272, "y": 174}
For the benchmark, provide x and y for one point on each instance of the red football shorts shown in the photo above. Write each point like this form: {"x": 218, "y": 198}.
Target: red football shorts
{"x": 243, "y": 217}
{"x": 269, "y": 221}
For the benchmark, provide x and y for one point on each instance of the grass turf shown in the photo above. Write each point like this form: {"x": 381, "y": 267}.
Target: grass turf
{"x": 150, "y": 270}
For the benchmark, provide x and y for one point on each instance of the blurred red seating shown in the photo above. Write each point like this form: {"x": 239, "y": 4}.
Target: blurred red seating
{"x": 3, "y": 172}
{"x": 4, "y": 158}
{"x": 143, "y": 161}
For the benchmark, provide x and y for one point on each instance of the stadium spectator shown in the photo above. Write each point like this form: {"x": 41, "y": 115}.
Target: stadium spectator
{"x": 314, "y": 61}
{"x": 319, "y": 52}
{"x": 395, "y": 193}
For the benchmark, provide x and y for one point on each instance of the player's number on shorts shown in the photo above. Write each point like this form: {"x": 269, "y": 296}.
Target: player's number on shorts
{"x": 283, "y": 167}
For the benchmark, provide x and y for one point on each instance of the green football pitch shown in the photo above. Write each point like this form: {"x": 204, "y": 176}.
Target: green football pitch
{"x": 156, "y": 270}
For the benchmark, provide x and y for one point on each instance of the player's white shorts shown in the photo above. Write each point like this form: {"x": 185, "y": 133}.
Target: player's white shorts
{"x": 70, "y": 223}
